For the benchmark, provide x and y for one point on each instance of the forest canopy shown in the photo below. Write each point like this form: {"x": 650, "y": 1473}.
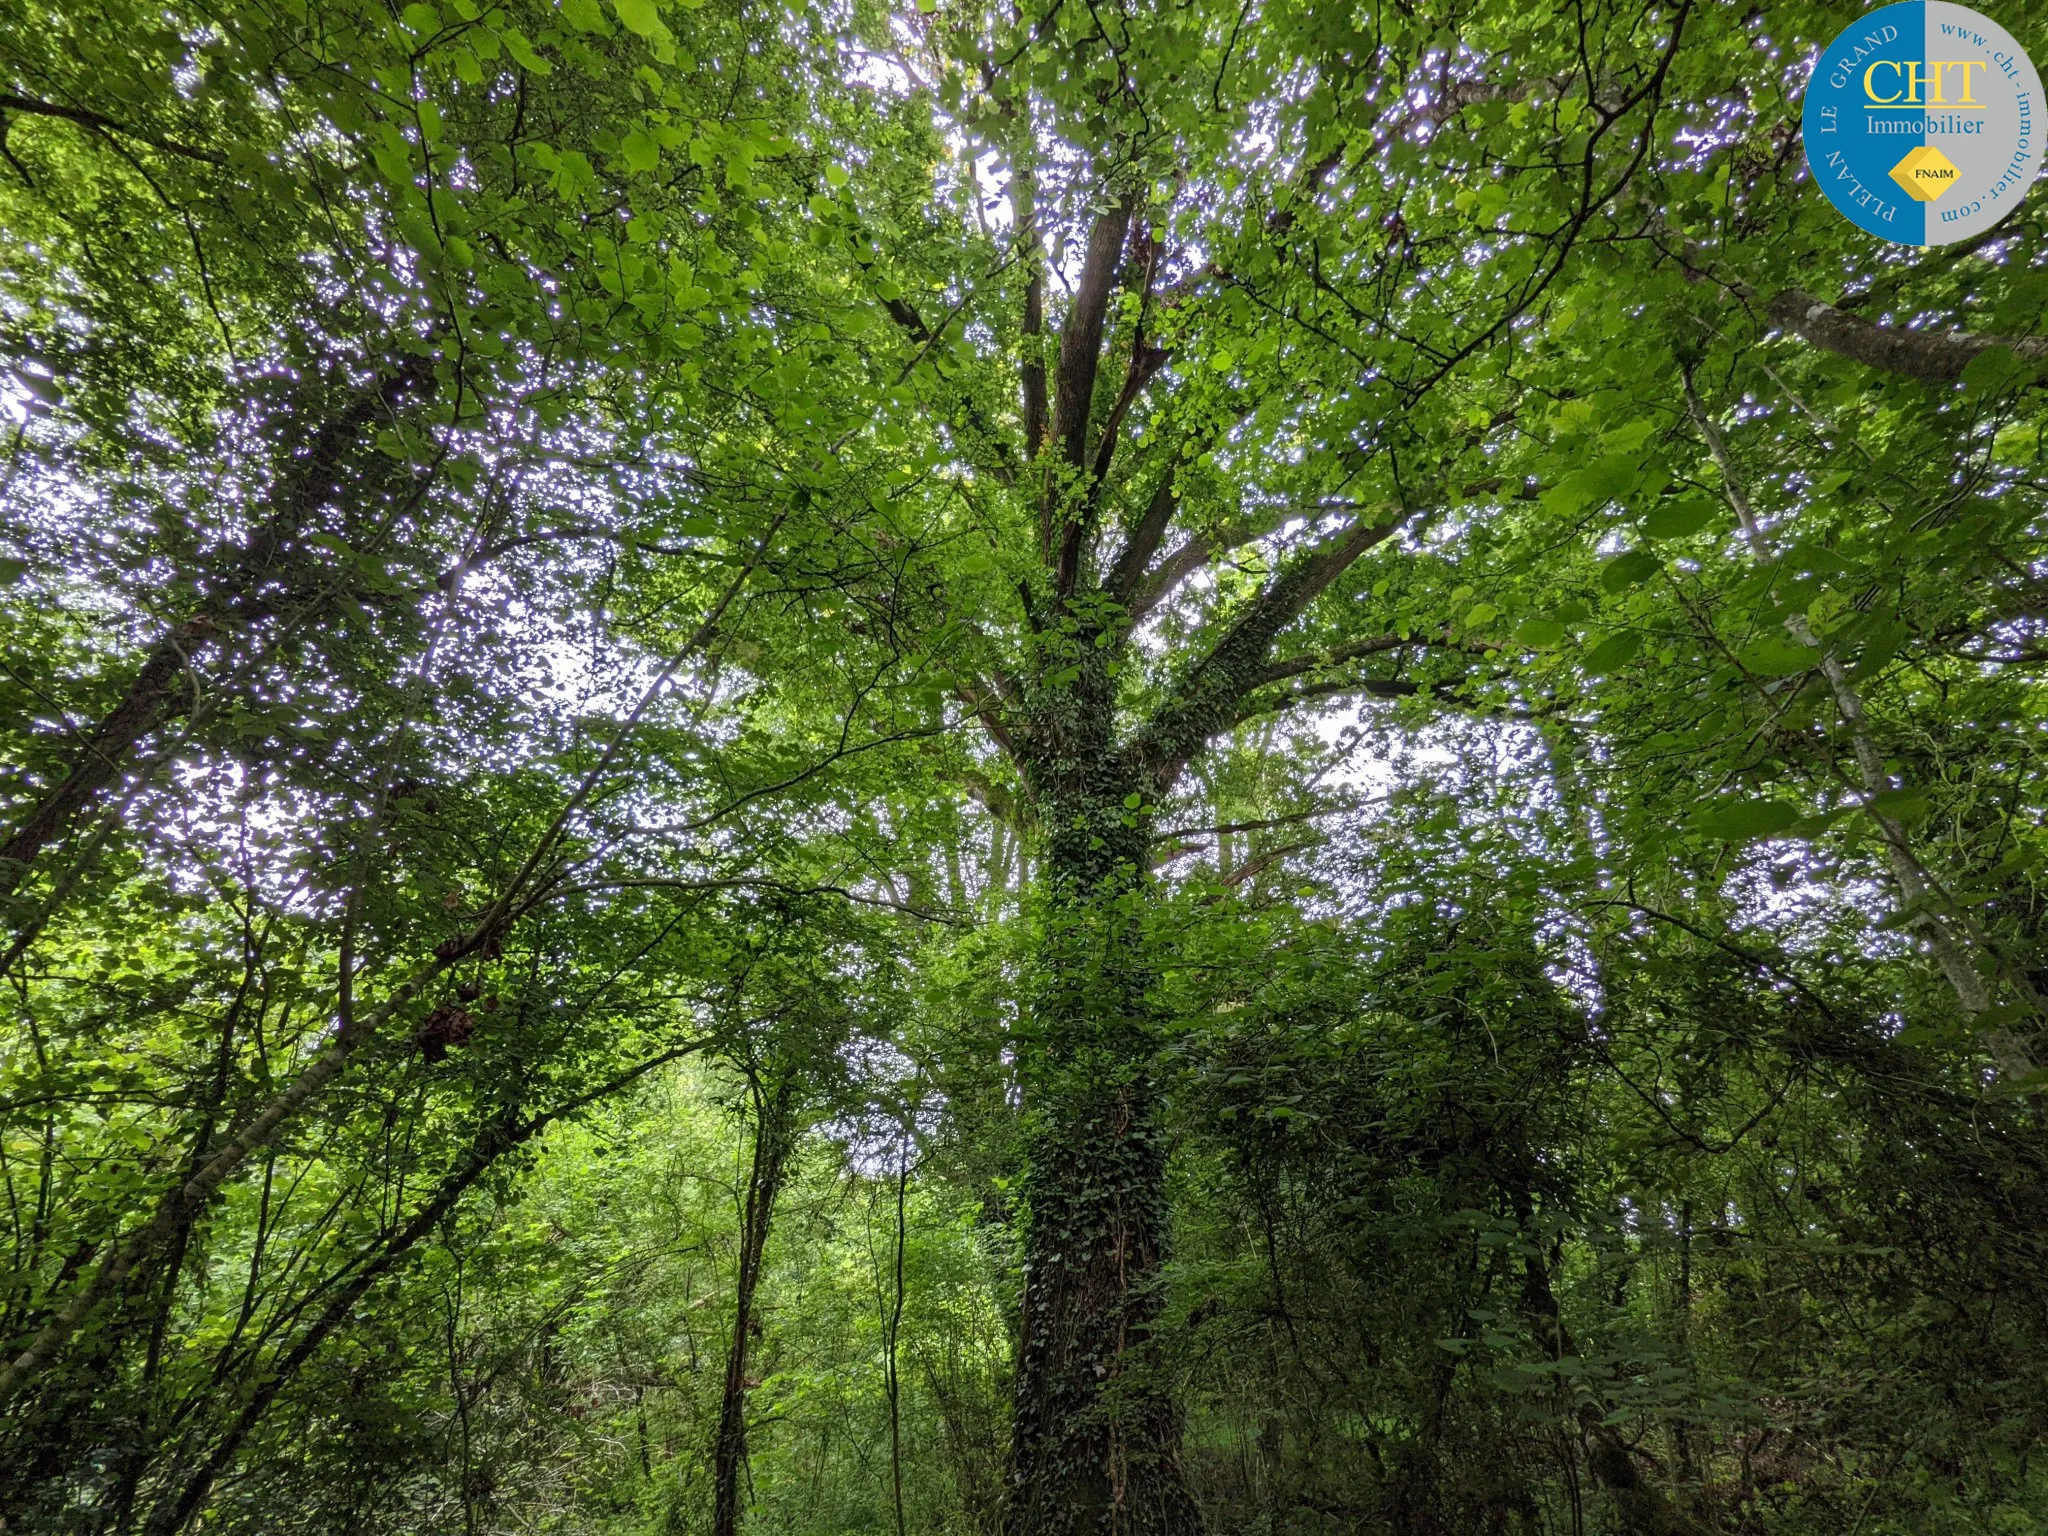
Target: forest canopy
{"x": 1009, "y": 770}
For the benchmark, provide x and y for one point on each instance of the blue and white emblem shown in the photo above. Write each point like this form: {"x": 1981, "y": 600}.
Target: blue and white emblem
{"x": 1924, "y": 123}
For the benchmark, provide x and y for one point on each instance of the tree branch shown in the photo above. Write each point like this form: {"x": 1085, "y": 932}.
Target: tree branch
{"x": 1207, "y": 702}
{"x": 1310, "y": 661}
{"x": 1143, "y": 544}
{"x": 1032, "y": 374}
{"x": 1938, "y": 356}
{"x": 9, "y": 102}
{"x": 1081, "y": 336}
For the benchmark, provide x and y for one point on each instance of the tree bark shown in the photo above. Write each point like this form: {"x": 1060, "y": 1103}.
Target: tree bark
{"x": 1096, "y": 1432}
{"x": 764, "y": 1182}
{"x": 1939, "y": 356}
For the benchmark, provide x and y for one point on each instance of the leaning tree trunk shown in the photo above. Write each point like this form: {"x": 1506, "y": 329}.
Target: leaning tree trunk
{"x": 764, "y": 1183}
{"x": 1640, "y": 1506}
{"x": 1096, "y": 1434}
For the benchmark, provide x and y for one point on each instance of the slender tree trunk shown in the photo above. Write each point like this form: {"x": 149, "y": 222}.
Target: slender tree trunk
{"x": 1642, "y": 1508}
{"x": 892, "y": 1380}
{"x": 161, "y": 687}
{"x": 1948, "y": 940}
{"x": 177, "y": 1507}
{"x": 764, "y": 1182}
{"x": 1096, "y": 1434}
{"x": 155, "y": 694}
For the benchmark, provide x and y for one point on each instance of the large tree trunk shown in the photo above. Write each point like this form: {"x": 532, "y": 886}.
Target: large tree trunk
{"x": 1096, "y": 1434}
{"x": 764, "y": 1183}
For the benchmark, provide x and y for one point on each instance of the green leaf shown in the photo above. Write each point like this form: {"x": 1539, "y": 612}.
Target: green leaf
{"x": 1613, "y": 651}
{"x": 586, "y": 16}
{"x": 1680, "y": 518}
{"x": 1540, "y": 633}
{"x": 523, "y": 54}
{"x": 1881, "y": 643}
{"x": 1773, "y": 656}
{"x": 1905, "y": 806}
{"x": 1995, "y": 370}
{"x": 640, "y": 151}
{"x": 1745, "y": 820}
{"x": 1629, "y": 570}
{"x": 641, "y": 18}
{"x": 1630, "y": 436}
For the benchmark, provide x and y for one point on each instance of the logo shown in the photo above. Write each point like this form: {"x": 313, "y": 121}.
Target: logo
{"x": 1924, "y": 123}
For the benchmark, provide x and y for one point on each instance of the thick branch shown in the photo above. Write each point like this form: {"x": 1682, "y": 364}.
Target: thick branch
{"x": 1146, "y": 359}
{"x": 980, "y": 699}
{"x": 1180, "y": 563}
{"x": 1025, "y": 192}
{"x": 161, "y": 683}
{"x": 153, "y": 697}
{"x": 1146, "y": 362}
{"x": 1081, "y": 337}
{"x": 1143, "y": 543}
{"x": 1940, "y": 356}
{"x": 1206, "y": 703}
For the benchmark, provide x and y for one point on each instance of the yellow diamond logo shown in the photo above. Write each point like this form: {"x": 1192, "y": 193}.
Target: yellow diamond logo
{"x": 1926, "y": 173}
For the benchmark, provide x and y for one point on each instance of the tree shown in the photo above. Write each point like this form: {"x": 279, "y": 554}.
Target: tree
{"x": 628, "y": 511}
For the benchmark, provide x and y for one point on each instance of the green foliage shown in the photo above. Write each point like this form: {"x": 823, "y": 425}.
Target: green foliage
{"x": 942, "y": 769}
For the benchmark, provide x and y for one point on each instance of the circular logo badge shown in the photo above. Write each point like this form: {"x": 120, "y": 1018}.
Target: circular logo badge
{"x": 1924, "y": 123}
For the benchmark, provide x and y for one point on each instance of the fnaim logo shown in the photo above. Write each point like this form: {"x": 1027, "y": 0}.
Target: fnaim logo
{"x": 1924, "y": 122}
